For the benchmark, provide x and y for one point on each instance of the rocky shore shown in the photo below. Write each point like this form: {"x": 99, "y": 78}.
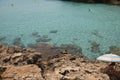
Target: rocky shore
{"x": 114, "y": 2}
{"x": 18, "y": 63}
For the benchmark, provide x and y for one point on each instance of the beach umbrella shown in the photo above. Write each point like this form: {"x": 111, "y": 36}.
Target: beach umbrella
{"x": 109, "y": 58}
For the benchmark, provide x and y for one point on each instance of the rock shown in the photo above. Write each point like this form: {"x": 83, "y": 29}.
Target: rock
{"x": 18, "y": 42}
{"x": 114, "y": 49}
{"x": 90, "y": 78}
{"x": 11, "y": 50}
{"x": 16, "y": 55}
{"x": 95, "y": 47}
{"x": 27, "y": 65}
{"x": 53, "y": 31}
{"x": 2, "y": 38}
{"x": 45, "y": 49}
{"x": 35, "y": 33}
{"x": 26, "y": 72}
{"x": 114, "y": 2}
{"x": 72, "y": 48}
{"x": 43, "y": 39}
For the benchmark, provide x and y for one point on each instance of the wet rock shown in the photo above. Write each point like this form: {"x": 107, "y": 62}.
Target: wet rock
{"x": 45, "y": 49}
{"x": 71, "y": 48}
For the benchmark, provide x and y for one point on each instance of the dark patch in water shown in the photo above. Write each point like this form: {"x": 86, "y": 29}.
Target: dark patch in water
{"x": 43, "y": 38}
{"x": 97, "y": 34}
{"x": 53, "y": 31}
{"x": 2, "y": 38}
{"x": 35, "y": 34}
{"x": 95, "y": 47}
{"x": 18, "y": 42}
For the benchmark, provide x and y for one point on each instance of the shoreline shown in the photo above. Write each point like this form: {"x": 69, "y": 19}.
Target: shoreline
{"x": 112, "y": 2}
{"x": 26, "y": 63}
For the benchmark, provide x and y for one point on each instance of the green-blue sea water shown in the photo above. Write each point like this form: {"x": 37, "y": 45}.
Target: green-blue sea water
{"x": 76, "y": 23}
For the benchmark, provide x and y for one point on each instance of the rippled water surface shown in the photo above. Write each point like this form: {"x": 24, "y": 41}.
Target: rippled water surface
{"x": 74, "y": 23}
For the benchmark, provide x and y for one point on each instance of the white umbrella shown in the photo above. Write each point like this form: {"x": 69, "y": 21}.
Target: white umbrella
{"x": 109, "y": 58}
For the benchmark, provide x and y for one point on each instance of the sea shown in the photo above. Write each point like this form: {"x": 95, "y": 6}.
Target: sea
{"x": 90, "y": 26}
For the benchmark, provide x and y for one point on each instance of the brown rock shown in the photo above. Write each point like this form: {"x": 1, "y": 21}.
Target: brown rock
{"x": 26, "y": 72}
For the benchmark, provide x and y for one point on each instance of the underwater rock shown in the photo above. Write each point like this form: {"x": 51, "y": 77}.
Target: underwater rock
{"x": 46, "y": 49}
{"x": 17, "y": 42}
{"x": 38, "y": 36}
{"x": 12, "y": 4}
{"x": 35, "y": 33}
{"x": 2, "y": 38}
{"x": 94, "y": 47}
{"x": 72, "y": 48}
{"x": 114, "y": 50}
{"x": 44, "y": 38}
{"x": 97, "y": 34}
{"x": 53, "y": 31}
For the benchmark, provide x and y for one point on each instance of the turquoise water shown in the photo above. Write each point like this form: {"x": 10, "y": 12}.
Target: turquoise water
{"x": 76, "y": 23}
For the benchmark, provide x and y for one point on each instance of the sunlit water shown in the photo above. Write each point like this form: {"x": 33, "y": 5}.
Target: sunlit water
{"x": 76, "y": 23}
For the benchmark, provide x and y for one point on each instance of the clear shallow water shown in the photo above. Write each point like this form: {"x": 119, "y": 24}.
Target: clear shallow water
{"x": 75, "y": 22}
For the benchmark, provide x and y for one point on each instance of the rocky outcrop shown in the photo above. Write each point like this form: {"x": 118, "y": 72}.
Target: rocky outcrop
{"x": 26, "y": 72}
{"x": 27, "y": 64}
{"x": 115, "y": 2}
{"x": 69, "y": 67}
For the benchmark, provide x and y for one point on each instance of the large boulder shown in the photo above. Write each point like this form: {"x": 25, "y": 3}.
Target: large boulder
{"x": 26, "y": 72}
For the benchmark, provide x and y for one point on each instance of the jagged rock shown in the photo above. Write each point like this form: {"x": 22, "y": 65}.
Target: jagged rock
{"x": 72, "y": 48}
{"x": 11, "y": 50}
{"x": 26, "y": 72}
{"x": 24, "y": 65}
{"x": 45, "y": 49}
{"x": 18, "y": 56}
